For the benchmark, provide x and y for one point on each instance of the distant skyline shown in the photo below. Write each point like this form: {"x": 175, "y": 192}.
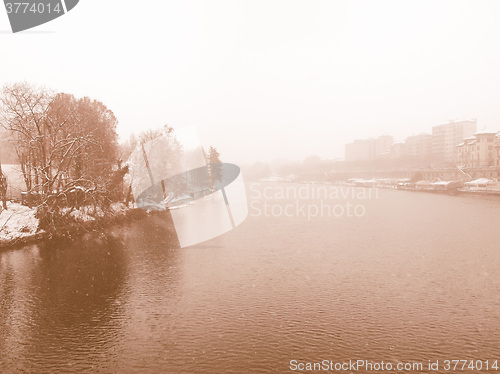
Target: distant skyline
{"x": 263, "y": 80}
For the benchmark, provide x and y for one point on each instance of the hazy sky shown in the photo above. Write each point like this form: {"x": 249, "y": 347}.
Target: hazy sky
{"x": 269, "y": 79}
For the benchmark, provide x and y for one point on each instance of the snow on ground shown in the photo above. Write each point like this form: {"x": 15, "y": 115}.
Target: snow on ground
{"x": 82, "y": 214}
{"x": 17, "y": 221}
{"x": 89, "y": 214}
{"x": 119, "y": 209}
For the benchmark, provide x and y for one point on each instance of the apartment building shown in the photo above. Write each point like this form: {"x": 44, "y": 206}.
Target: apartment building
{"x": 446, "y": 137}
{"x": 419, "y": 146}
{"x": 368, "y": 149}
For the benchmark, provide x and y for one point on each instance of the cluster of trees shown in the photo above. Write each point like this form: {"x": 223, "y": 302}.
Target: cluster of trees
{"x": 159, "y": 161}
{"x": 67, "y": 147}
{"x": 69, "y": 155}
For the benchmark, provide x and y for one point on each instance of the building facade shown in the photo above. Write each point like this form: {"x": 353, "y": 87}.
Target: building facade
{"x": 479, "y": 151}
{"x": 398, "y": 150}
{"x": 359, "y": 150}
{"x": 419, "y": 146}
{"x": 383, "y": 145}
{"x": 497, "y": 148}
{"x": 368, "y": 149}
{"x": 446, "y": 137}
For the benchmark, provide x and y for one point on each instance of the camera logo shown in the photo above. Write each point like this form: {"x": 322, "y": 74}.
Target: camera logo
{"x": 171, "y": 171}
{"x": 26, "y": 14}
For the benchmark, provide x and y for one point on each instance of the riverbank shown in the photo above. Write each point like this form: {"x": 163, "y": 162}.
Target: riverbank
{"x": 19, "y": 225}
{"x": 479, "y": 187}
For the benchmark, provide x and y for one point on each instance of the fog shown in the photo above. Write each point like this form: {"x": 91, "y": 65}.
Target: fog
{"x": 265, "y": 80}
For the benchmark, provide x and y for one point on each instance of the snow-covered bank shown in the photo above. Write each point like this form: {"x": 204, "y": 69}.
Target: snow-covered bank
{"x": 18, "y": 224}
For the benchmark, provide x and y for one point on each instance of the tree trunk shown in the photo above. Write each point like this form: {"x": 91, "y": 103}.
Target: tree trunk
{"x": 3, "y": 188}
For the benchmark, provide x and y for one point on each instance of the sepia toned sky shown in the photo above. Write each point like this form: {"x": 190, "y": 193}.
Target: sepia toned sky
{"x": 271, "y": 79}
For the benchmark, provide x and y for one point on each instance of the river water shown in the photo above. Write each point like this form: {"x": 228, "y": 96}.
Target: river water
{"x": 407, "y": 277}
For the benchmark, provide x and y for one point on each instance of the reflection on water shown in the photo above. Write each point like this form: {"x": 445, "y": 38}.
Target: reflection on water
{"x": 52, "y": 300}
{"x": 416, "y": 278}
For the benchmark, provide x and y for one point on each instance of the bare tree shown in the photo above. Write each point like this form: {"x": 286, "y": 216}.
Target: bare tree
{"x": 62, "y": 143}
{"x": 156, "y": 158}
{"x": 43, "y": 145}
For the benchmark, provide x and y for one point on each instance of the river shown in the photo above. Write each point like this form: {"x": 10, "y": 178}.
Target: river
{"x": 404, "y": 277}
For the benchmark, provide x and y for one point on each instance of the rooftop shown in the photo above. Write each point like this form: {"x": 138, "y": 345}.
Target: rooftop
{"x": 486, "y": 132}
